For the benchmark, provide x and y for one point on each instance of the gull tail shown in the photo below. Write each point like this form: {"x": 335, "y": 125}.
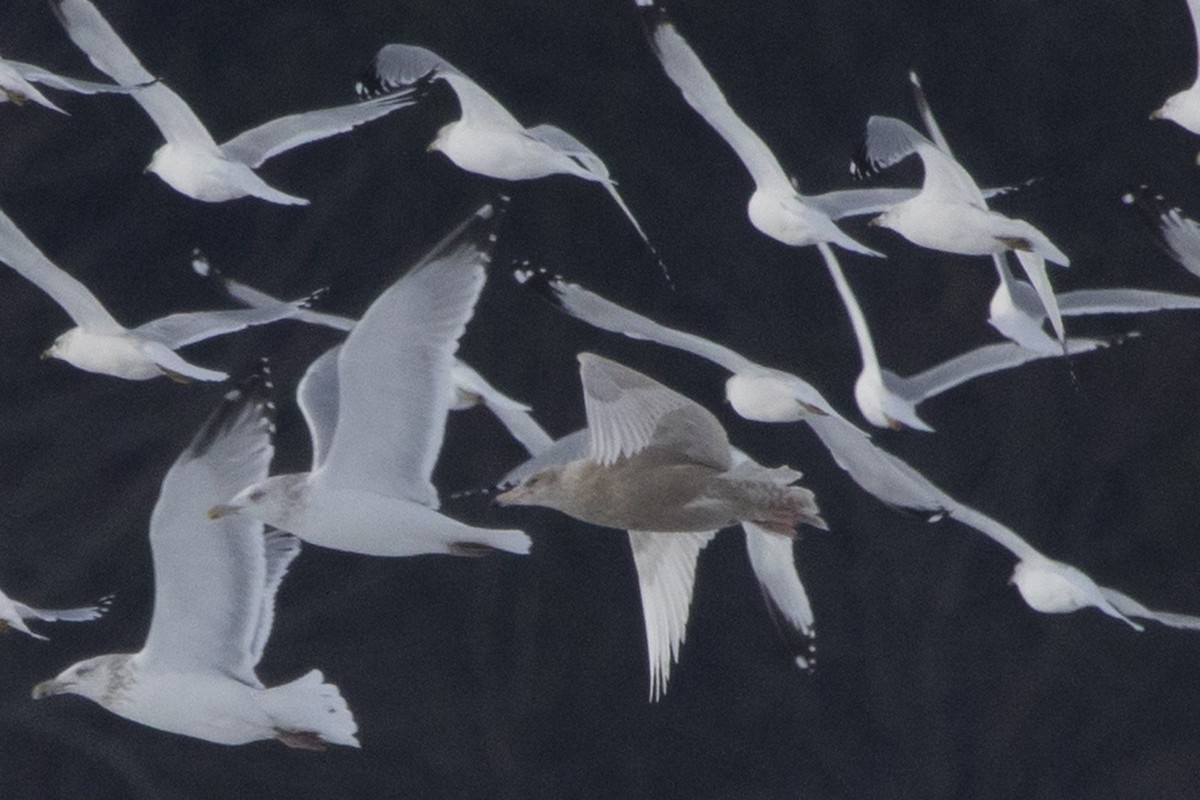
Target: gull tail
{"x": 611, "y": 188}
{"x": 309, "y": 713}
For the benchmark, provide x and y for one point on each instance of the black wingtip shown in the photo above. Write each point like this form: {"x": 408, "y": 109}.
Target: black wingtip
{"x": 652, "y": 15}
{"x": 861, "y": 165}
{"x": 539, "y": 281}
{"x": 371, "y": 84}
{"x": 254, "y": 396}
{"x": 1155, "y": 211}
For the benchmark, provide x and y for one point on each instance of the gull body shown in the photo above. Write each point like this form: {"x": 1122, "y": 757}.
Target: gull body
{"x": 660, "y": 466}
{"x": 376, "y": 408}
{"x": 102, "y": 345}
{"x": 214, "y": 606}
{"x": 190, "y": 161}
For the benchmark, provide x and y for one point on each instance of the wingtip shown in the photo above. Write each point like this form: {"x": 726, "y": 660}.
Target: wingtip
{"x": 253, "y": 398}
{"x": 540, "y": 282}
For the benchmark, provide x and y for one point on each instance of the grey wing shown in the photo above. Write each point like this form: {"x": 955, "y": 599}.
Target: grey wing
{"x": 178, "y": 330}
{"x": 317, "y": 396}
{"x": 999, "y": 533}
{"x": 1132, "y": 608}
{"x": 571, "y": 447}
{"x": 666, "y": 569}
{"x": 256, "y": 145}
{"x": 563, "y": 142}
{"x": 81, "y": 614}
{"x": 974, "y": 364}
{"x": 1178, "y": 233}
{"x": 628, "y": 412}
{"x": 856, "y": 202}
{"x": 688, "y": 73}
{"x": 210, "y": 576}
{"x": 394, "y": 369}
{"x": 775, "y": 569}
{"x": 607, "y": 315}
{"x": 514, "y": 416}
{"x": 92, "y": 34}
{"x": 889, "y": 141}
{"x": 926, "y": 112}
{"x": 23, "y": 256}
{"x": 280, "y": 549}
{"x": 1123, "y": 301}
{"x": 34, "y": 73}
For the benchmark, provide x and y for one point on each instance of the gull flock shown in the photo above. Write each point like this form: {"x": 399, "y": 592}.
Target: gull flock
{"x": 650, "y": 461}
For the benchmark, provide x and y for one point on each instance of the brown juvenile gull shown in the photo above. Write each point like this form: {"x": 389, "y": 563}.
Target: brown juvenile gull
{"x": 660, "y": 466}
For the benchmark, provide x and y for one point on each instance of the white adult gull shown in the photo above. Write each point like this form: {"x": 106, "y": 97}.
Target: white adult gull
{"x": 487, "y": 139}
{"x": 17, "y": 79}
{"x": 1183, "y": 108}
{"x": 100, "y": 344}
{"x": 470, "y": 388}
{"x": 13, "y": 614}
{"x": 376, "y": 408}
{"x": 191, "y": 161}
{"x": 660, "y": 466}
{"x": 214, "y": 603}
{"x": 950, "y": 213}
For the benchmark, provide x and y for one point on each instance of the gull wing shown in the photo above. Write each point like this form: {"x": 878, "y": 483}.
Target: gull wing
{"x": 1124, "y": 301}
{"x": 281, "y": 548}
{"x": 211, "y": 577}
{"x": 687, "y": 71}
{"x": 975, "y": 363}
{"x": 317, "y": 396}
{"x": 92, "y": 34}
{"x": 35, "y": 73}
{"x": 394, "y": 369}
{"x": 23, "y": 256}
{"x": 774, "y": 566}
{"x": 628, "y": 412}
{"x": 268, "y": 140}
{"x": 890, "y": 141}
{"x": 514, "y": 416}
{"x": 666, "y": 569}
{"x": 571, "y": 447}
{"x": 607, "y": 315}
{"x": 178, "y": 330}
{"x": 1132, "y": 608}
{"x": 1176, "y": 232}
{"x": 81, "y": 614}
{"x": 403, "y": 65}
{"x": 923, "y": 108}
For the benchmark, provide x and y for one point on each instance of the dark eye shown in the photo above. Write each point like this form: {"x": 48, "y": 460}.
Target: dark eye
{"x": 256, "y": 496}
{"x": 533, "y": 480}
{"x": 82, "y": 671}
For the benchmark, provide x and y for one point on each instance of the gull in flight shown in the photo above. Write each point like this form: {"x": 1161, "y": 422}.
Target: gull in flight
{"x": 214, "y": 605}
{"x": 376, "y": 407}
{"x": 191, "y": 161}
{"x": 661, "y": 467}
{"x": 17, "y": 79}
{"x": 100, "y": 344}
{"x": 1046, "y": 584}
{"x": 470, "y": 389}
{"x": 13, "y": 614}
{"x": 1183, "y": 108}
{"x": 951, "y": 214}
{"x": 487, "y": 139}
{"x": 1174, "y": 231}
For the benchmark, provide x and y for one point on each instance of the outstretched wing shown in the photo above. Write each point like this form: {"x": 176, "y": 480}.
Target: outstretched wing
{"x": 889, "y": 141}
{"x": 212, "y": 579}
{"x": 317, "y": 396}
{"x": 775, "y": 568}
{"x": 666, "y": 569}
{"x": 178, "y": 330}
{"x": 628, "y": 412}
{"x": 35, "y": 73}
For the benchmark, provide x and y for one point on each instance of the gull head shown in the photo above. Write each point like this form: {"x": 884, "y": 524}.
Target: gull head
{"x": 102, "y": 678}
{"x": 66, "y": 346}
{"x": 888, "y": 219}
{"x": 273, "y": 501}
{"x": 442, "y": 140}
{"x": 540, "y": 489}
{"x": 1182, "y": 108}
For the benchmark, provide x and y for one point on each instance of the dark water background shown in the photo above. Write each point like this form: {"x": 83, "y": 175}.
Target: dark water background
{"x": 525, "y": 677}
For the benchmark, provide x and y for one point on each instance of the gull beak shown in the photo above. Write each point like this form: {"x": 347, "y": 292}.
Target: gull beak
{"x": 47, "y": 689}
{"x": 1156, "y": 114}
{"x": 218, "y": 511}
{"x": 511, "y": 497}
{"x": 431, "y": 147}
{"x": 46, "y": 354}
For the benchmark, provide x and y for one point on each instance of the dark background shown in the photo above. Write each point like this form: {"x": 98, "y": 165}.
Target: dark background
{"x": 526, "y": 677}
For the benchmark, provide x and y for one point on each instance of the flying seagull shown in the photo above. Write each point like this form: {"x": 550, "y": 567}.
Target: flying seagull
{"x": 376, "y": 407}
{"x": 17, "y": 79}
{"x": 661, "y": 467}
{"x": 470, "y": 389}
{"x": 214, "y": 605}
{"x": 191, "y": 161}
{"x": 1183, "y": 108}
{"x": 100, "y": 344}
{"x": 13, "y": 614}
{"x": 487, "y": 139}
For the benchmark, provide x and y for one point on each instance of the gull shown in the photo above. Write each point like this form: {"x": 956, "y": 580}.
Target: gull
{"x": 376, "y": 408}
{"x": 1046, "y": 585}
{"x": 17, "y": 79}
{"x": 13, "y": 614}
{"x": 660, "y": 466}
{"x": 100, "y": 344}
{"x": 487, "y": 139}
{"x": 1174, "y": 231}
{"x": 214, "y": 605}
{"x": 1183, "y": 108}
{"x": 951, "y": 214}
{"x": 191, "y": 161}
{"x": 470, "y": 389}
